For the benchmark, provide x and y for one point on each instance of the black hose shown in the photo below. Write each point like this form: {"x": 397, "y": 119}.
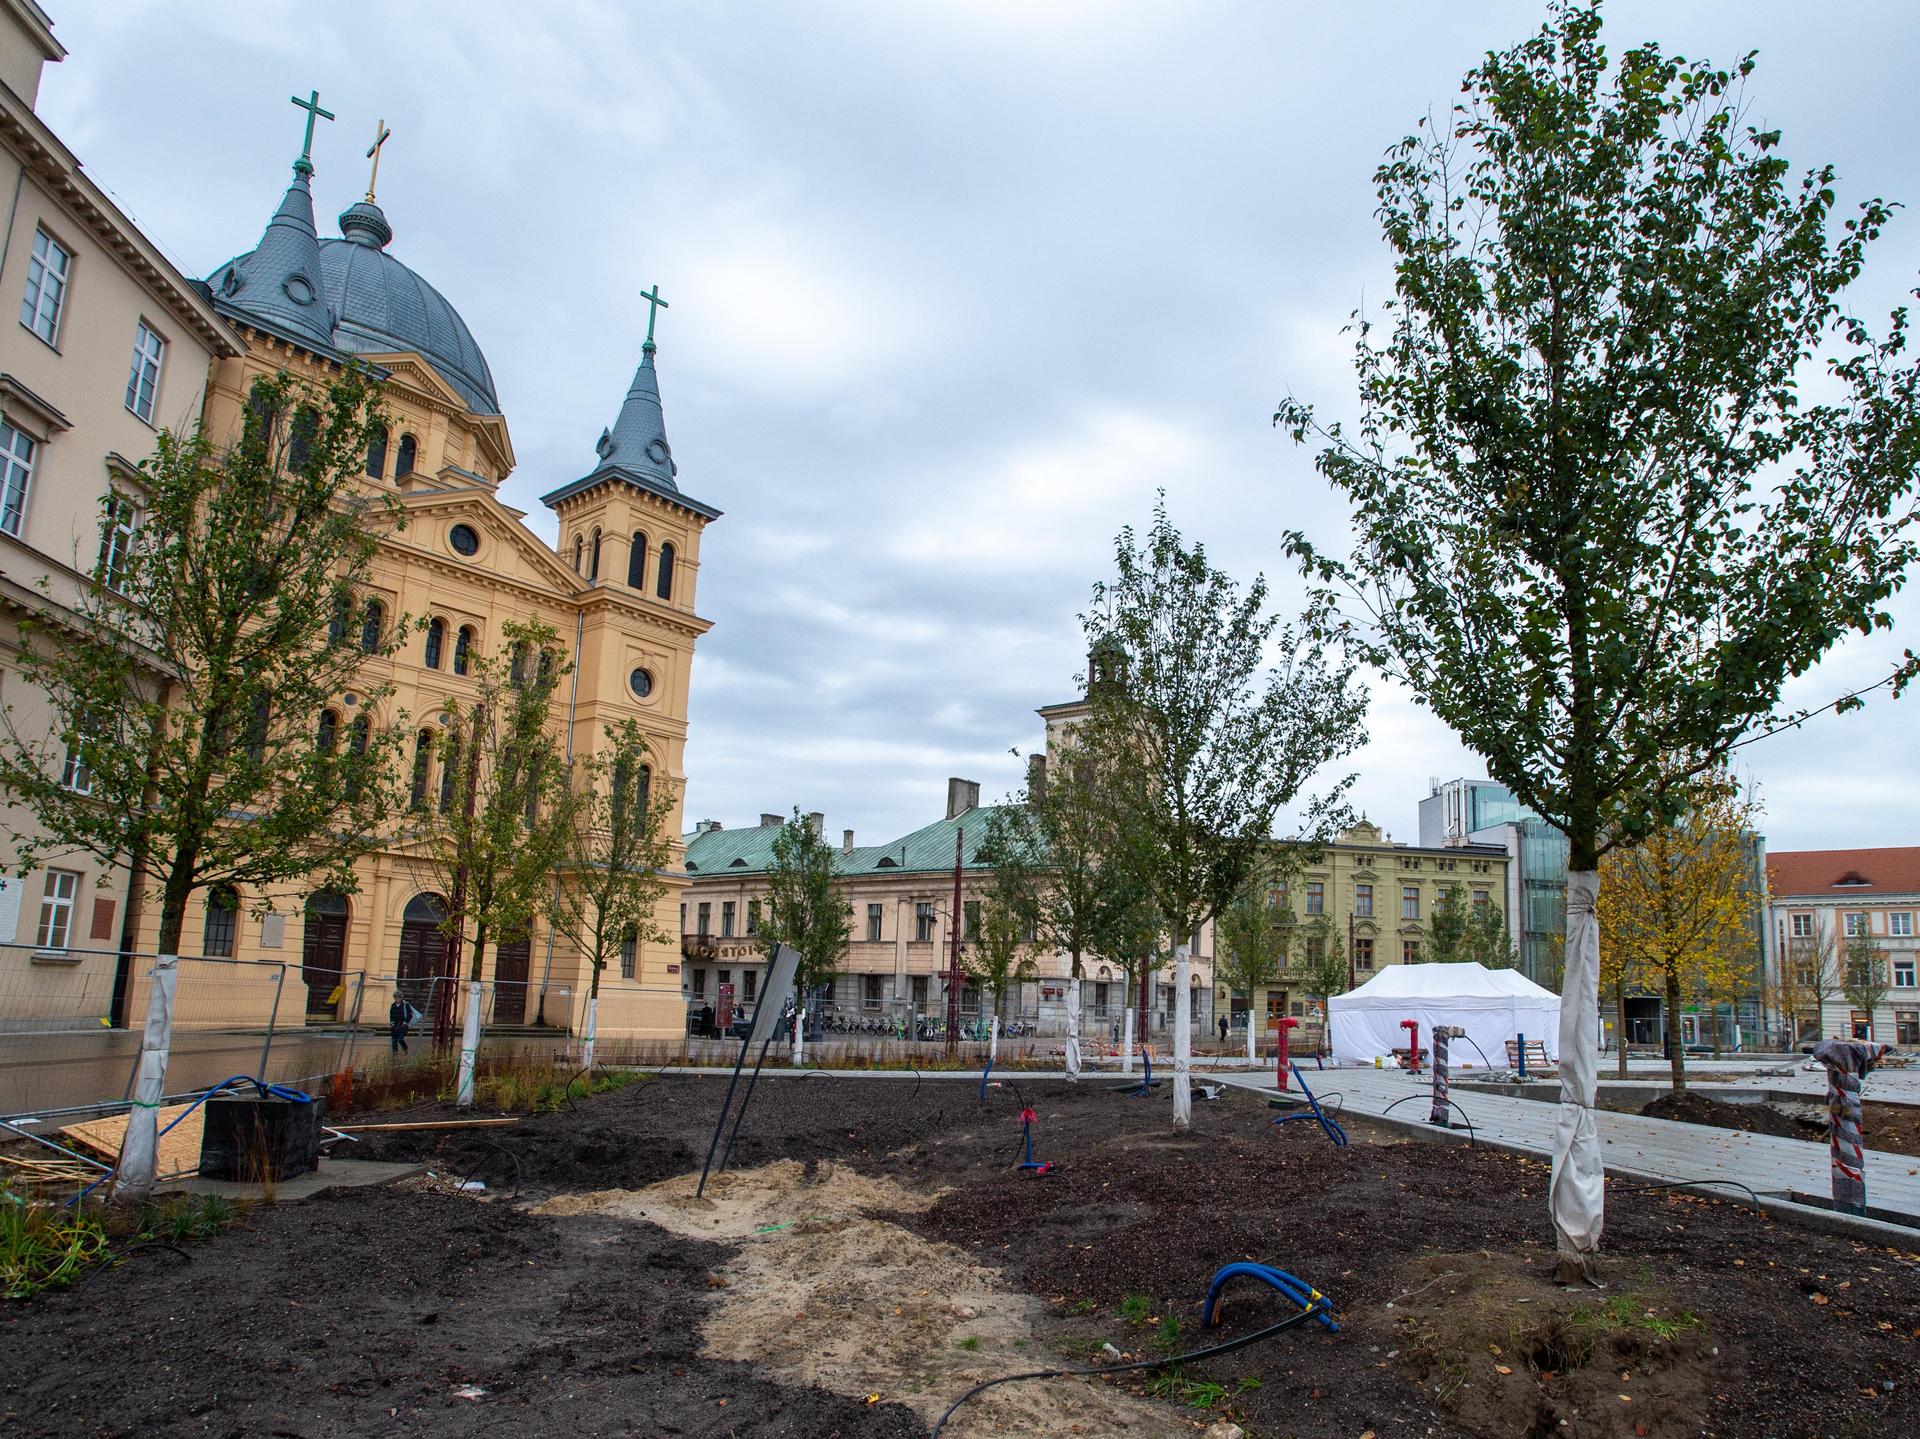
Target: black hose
{"x": 481, "y": 1167}
{"x": 112, "y": 1261}
{"x": 1317, "y": 1307}
{"x": 1683, "y": 1183}
{"x": 1472, "y": 1134}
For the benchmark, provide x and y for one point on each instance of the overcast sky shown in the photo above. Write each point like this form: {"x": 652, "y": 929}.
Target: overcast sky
{"x": 955, "y": 287}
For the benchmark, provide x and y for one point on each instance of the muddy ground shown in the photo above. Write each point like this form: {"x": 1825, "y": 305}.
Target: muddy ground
{"x": 872, "y": 1253}
{"x": 1892, "y": 1128}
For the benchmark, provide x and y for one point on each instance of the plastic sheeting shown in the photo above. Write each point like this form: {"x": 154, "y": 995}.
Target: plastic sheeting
{"x": 1488, "y": 1007}
{"x": 1182, "y": 1038}
{"x": 1577, "y": 1196}
{"x": 139, "y": 1150}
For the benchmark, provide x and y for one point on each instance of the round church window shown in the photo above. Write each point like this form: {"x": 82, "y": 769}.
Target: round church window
{"x": 464, "y": 540}
{"x": 641, "y": 683}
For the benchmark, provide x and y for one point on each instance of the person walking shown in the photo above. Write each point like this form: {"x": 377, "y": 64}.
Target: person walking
{"x": 1223, "y": 1029}
{"x": 706, "y": 1021}
{"x": 399, "y": 1019}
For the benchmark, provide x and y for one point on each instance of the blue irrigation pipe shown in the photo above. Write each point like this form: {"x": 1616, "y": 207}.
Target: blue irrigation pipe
{"x": 983, "y": 1079}
{"x": 1314, "y": 1111}
{"x": 275, "y": 1091}
{"x": 1296, "y": 1289}
{"x": 1146, "y": 1081}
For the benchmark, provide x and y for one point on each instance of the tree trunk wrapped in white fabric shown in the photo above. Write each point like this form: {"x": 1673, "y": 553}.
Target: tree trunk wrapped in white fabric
{"x": 136, "y": 1173}
{"x": 1579, "y": 1168}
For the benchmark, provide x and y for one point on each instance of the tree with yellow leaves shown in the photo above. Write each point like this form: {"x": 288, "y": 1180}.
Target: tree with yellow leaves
{"x": 1676, "y": 910}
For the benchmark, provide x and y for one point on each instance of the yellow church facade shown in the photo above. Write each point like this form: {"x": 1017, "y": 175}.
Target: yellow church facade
{"x": 619, "y": 592}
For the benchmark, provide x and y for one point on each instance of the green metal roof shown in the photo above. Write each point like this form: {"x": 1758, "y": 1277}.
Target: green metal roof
{"x": 929, "y": 848}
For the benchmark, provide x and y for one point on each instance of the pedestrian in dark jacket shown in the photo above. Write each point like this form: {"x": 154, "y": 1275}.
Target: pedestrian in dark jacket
{"x": 399, "y": 1019}
{"x": 1223, "y": 1029}
{"x": 706, "y": 1020}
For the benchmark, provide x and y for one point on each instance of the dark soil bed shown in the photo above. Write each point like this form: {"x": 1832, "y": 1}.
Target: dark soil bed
{"x": 369, "y": 1311}
{"x": 1687, "y": 1107}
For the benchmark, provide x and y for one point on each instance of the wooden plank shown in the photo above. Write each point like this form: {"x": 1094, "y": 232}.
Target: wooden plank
{"x": 402, "y": 1128}
{"x": 179, "y": 1150}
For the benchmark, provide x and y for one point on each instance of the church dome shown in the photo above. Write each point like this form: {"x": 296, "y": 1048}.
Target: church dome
{"x": 368, "y": 302}
{"x": 381, "y": 305}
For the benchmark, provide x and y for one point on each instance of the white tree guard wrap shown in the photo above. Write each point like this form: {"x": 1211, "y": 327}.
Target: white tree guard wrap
{"x": 1848, "y": 1062}
{"x": 1577, "y": 1196}
{"x": 1253, "y": 1053}
{"x": 1442, "y": 1112}
{"x": 1182, "y": 1039}
{"x": 134, "y": 1176}
{"x": 799, "y": 1035}
{"x": 993, "y": 1041}
{"x": 592, "y": 1032}
{"x": 469, "y": 1046}
{"x": 1126, "y": 1043}
{"x": 1073, "y": 1030}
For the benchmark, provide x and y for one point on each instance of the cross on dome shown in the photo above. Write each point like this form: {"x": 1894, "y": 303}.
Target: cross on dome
{"x": 312, "y": 106}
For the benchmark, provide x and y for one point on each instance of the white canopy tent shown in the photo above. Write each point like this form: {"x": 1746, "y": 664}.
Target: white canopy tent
{"x": 1491, "y": 1005}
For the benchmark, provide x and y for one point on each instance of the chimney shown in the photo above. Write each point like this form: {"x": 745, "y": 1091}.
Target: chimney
{"x": 769, "y": 820}
{"x": 846, "y": 841}
{"x": 1036, "y": 778}
{"x": 816, "y": 821}
{"x": 962, "y": 795}
{"x": 707, "y": 826}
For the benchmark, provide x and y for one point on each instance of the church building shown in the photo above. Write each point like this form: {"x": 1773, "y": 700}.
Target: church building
{"x": 620, "y": 591}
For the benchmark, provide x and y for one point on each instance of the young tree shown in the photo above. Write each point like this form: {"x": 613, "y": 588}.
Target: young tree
{"x": 1819, "y": 954}
{"x": 1326, "y": 970}
{"x": 1864, "y": 975}
{"x": 1060, "y": 853}
{"x": 1253, "y": 937}
{"x": 1598, "y": 524}
{"x": 1678, "y": 906}
{"x": 505, "y": 817}
{"x": 1788, "y": 990}
{"x": 1488, "y": 941}
{"x": 1448, "y": 934}
{"x": 210, "y": 638}
{"x": 805, "y": 911}
{"x": 1216, "y": 741}
{"x": 608, "y": 894}
{"x": 998, "y": 954}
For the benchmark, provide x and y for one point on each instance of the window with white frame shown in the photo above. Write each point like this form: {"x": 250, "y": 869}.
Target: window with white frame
{"x": 76, "y": 776}
{"x": 1802, "y": 926}
{"x": 47, "y": 275}
{"x": 1903, "y": 972}
{"x": 1900, "y": 923}
{"x": 1316, "y": 897}
{"x": 120, "y": 517}
{"x": 56, "y": 908}
{"x": 143, "y": 382}
{"x": 922, "y": 922}
{"x": 1856, "y": 924}
{"x": 1409, "y": 902}
{"x": 16, "y": 475}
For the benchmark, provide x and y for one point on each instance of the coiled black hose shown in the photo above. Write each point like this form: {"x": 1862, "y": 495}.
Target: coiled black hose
{"x": 1211, "y": 1351}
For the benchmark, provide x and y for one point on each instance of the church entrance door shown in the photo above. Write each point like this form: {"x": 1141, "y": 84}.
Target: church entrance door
{"x": 324, "y": 952}
{"x": 512, "y": 963}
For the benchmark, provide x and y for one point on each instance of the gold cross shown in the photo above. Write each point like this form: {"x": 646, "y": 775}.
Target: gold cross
{"x": 381, "y": 135}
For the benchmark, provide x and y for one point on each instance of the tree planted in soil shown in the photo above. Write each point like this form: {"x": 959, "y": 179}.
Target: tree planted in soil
{"x": 607, "y": 897}
{"x": 1598, "y": 526}
{"x": 998, "y": 953}
{"x": 805, "y": 911}
{"x": 1864, "y": 973}
{"x": 1216, "y": 740}
{"x": 504, "y": 818}
{"x": 1253, "y": 935}
{"x": 1676, "y": 910}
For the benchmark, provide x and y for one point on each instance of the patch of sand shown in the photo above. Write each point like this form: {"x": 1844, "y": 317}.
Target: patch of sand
{"x": 824, "y": 1291}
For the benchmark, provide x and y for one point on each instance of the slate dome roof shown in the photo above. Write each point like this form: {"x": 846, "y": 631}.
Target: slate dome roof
{"x": 370, "y": 302}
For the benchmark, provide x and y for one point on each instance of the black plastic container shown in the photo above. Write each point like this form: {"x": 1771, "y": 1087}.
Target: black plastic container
{"x": 256, "y": 1140}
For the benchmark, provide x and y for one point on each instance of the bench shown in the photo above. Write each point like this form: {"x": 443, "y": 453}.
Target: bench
{"x": 1536, "y": 1055}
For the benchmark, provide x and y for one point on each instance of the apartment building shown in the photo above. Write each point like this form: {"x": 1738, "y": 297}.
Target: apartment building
{"x": 1819, "y": 899}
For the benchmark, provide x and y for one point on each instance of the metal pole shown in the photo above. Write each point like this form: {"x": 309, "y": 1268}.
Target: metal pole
{"x": 353, "y": 1023}
{"x": 273, "y": 1015}
{"x": 953, "y": 971}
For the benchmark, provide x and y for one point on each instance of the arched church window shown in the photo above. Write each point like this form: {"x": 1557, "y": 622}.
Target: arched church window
{"x": 463, "y": 649}
{"x": 328, "y": 732}
{"x": 371, "y": 625}
{"x": 579, "y": 554}
{"x": 223, "y": 918}
{"x": 359, "y": 733}
{"x": 409, "y": 451}
{"x": 593, "y": 558}
{"x": 436, "y": 638}
{"x": 665, "y": 588}
{"x": 338, "y": 620}
{"x": 377, "y": 452}
{"x": 517, "y": 664}
{"x": 637, "y": 562}
{"x": 300, "y": 437}
{"x": 422, "y": 762}
{"x": 449, "y": 774}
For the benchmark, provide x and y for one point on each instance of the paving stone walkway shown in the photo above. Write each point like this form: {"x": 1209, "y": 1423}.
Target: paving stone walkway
{"x": 1657, "y": 1148}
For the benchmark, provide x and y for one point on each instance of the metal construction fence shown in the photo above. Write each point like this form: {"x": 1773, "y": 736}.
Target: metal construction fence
{"x": 71, "y": 1022}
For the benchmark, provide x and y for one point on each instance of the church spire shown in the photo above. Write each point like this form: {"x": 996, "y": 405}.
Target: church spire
{"x": 278, "y": 284}
{"x": 637, "y": 441}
